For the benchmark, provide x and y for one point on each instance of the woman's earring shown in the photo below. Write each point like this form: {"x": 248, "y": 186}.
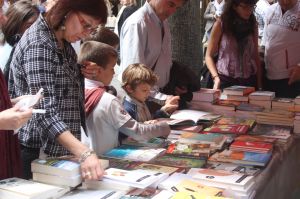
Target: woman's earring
{"x": 63, "y": 27}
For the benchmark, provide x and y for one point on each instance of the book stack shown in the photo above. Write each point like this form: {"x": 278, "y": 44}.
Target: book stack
{"x": 17, "y": 188}
{"x": 282, "y": 104}
{"x": 238, "y": 93}
{"x": 56, "y": 172}
{"x": 240, "y": 183}
{"x": 297, "y": 115}
{"x": 262, "y": 98}
{"x": 235, "y": 168}
{"x": 93, "y": 194}
{"x": 275, "y": 117}
{"x": 206, "y": 95}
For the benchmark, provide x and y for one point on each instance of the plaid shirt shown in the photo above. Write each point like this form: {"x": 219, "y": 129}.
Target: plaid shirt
{"x": 37, "y": 63}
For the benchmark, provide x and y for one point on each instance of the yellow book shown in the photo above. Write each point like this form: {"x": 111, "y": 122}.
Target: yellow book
{"x": 185, "y": 195}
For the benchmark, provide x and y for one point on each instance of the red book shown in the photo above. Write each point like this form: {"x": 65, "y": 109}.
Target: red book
{"x": 228, "y": 128}
{"x": 261, "y": 147}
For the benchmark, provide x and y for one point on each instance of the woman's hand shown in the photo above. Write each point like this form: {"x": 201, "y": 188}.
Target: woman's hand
{"x": 91, "y": 168}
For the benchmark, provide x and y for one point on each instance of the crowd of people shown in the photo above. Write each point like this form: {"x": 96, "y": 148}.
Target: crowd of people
{"x": 84, "y": 115}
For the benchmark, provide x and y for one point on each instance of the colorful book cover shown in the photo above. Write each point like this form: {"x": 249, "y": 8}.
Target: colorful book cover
{"x": 153, "y": 142}
{"x": 236, "y": 120}
{"x": 272, "y": 131}
{"x": 181, "y": 162}
{"x": 234, "y": 168}
{"x": 209, "y": 138}
{"x": 228, "y": 128}
{"x": 192, "y": 186}
{"x": 248, "y": 158}
{"x": 134, "y": 153}
{"x": 254, "y": 138}
{"x": 189, "y": 150}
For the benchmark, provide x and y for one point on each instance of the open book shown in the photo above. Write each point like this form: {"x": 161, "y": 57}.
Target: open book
{"x": 192, "y": 117}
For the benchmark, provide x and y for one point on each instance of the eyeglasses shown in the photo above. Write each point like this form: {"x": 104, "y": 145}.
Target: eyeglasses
{"x": 248, "y": 6}
{"x": 86, "y": 26}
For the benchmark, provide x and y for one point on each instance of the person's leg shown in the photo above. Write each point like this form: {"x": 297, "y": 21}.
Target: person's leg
{"x": 27, "y": 156}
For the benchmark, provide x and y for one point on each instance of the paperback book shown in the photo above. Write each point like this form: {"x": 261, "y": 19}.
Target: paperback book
{"x": 238, "y": 90}
{"x": 17, "y": 188}
{"x": 181, "y": 162}
{"x": 234, "y": 168}
{"x": 193, "y": 117}
{"x": 135, "y": 178}
{"x": 81, "y": 193}
{"x": 134, "y": 153}
{"x": 228, "y": 128}
{"x": 189, "y": 150}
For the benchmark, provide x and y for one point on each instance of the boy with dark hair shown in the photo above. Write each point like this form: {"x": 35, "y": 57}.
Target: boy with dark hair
{"x": 105, "y": 113}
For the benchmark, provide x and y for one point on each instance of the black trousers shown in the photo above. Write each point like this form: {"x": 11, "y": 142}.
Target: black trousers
{"x": 27, "y": 156}
{"x": 282, "y": 89}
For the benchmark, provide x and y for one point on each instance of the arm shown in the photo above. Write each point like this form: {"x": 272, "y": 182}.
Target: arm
{"x": 212, "y": 49}
{"x": 12, "y": 119}
{"x": 294, "y": 74}
{"x": 257, "y": 60}
{"x": 143, "y": 132}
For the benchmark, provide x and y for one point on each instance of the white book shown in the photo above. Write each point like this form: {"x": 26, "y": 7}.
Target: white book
{"x": 106, "y": 184}
{"x": 137, "y": 178}
{"x": 63, "y": 168}
{"x": 93, "y": 194}
{"x": 262, "y": 95}
{"x": 57, "y": 180}
{"x": 17, "y": 188}
{"x": 223, "y": 179}
{"x": 197, "y": 117}
{"x": 174, "y": 179}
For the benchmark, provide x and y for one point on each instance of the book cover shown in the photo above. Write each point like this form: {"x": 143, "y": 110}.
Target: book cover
{"x": 259, "y": 147}
{"x": 153, "y": 142}
{"x": 238, "y": 90}
{"x": 272, "y": 131}
{"x": 134, "y": 153}
{"x": 136, "y": 178}
{"x": 17, "y": 188}
{"x": 254, "y": 138}
{"x": 242, "y": 157}
{"x": 228, "y": 128}
{"x": 189, "y": 150}
{"x": 137, "y": 193}
{"x": 197, "y": 138}
{"x": 185, "y": 195}
{"x": 193, "y": 129}
{"x": 159, "y": 168}
{"x": 192, "y": 186}
{"x": 234, "y": 168}
{"x": 249, "y": 107}
{"x": 181, "y": 162}
{"x": 237, "y": 120}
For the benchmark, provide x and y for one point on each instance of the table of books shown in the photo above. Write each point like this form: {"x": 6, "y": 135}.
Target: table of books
{"x": 281, "y": 178}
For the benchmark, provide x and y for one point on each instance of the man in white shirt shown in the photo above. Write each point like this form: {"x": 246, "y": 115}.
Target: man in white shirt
{"x": 282, "y": 47}
{"x": 260, "y": 12}
{"x": 145, "y": 38}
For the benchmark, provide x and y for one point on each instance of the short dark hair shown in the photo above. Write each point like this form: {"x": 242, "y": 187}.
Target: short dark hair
{"x": 94, "y": 8}
{"x": 136, "y": 74}
{"x": 97, "y": 52}
{"x": 17, "y": 14}
{"x": 104, "y": 35}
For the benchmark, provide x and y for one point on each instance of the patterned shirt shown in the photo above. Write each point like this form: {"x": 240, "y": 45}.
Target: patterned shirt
{"x": 38, "y": 62}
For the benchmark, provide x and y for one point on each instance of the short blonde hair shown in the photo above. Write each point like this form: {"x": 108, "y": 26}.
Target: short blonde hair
{"x": 104, "y": 35}
{"x": 136, "y": 74}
